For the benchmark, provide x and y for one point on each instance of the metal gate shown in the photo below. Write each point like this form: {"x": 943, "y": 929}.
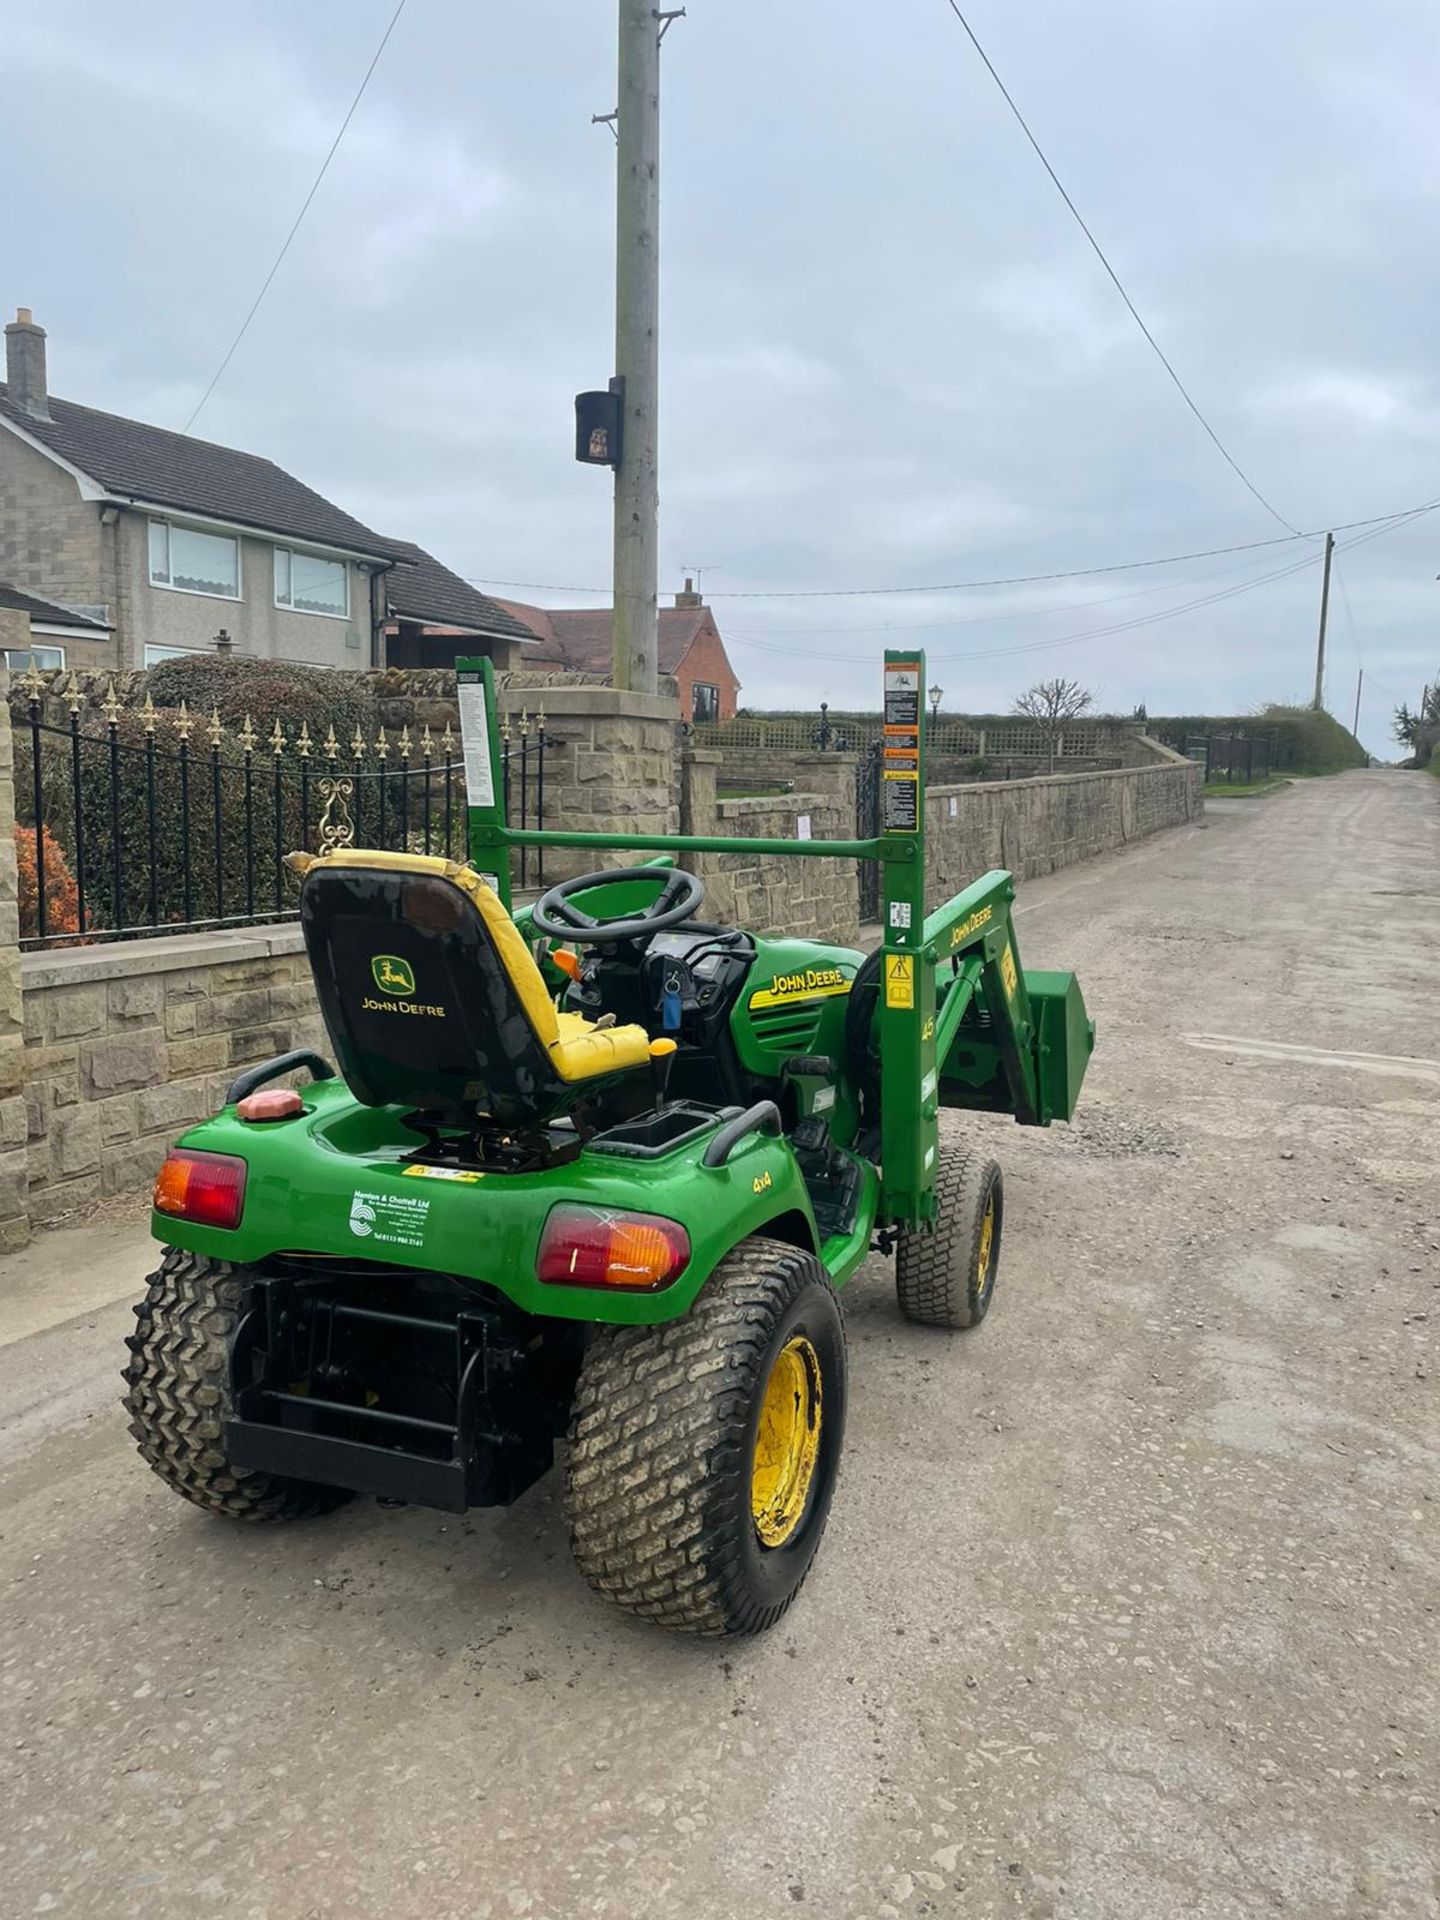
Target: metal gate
{"x": 867, "y": 827}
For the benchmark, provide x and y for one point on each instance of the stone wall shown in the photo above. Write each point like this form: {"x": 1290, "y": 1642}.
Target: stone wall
{"x": 126, "y": 1045}
{"x": 14, "y": 1159}
{"x": 1035, "y": 826}
{"x": 772, "y": 893}
{"x": 769, "y": 766}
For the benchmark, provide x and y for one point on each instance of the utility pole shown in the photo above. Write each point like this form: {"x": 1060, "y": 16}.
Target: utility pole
{"x": 637, "y": 343}
{"x": 1359, "y": 683}
{"x": 1319, "y": 699}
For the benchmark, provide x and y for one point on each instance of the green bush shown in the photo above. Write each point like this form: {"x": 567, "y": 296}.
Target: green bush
{"x": 266, "y": 691}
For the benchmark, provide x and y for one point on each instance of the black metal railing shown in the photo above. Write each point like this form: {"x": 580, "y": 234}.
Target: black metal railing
{"x": 1237, "y": 757}
{"x": 162, "y": 823}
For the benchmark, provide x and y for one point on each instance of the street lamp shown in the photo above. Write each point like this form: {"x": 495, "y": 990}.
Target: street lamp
{"x": 937, "y": 694}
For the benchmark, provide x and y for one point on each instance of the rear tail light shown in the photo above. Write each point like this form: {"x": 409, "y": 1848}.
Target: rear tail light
{"x": 208, "y": 1188}
{"x": 596, "y": 1247}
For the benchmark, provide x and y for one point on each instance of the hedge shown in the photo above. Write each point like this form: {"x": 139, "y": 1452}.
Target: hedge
{"x": 1310, "y": 741}
{"x": 266, "y": 690}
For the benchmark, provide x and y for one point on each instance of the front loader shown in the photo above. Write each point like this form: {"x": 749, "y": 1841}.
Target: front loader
{"x": 592, "y": 1170}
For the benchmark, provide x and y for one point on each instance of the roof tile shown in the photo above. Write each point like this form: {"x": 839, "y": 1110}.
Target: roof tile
{"x": 153, "y": 465}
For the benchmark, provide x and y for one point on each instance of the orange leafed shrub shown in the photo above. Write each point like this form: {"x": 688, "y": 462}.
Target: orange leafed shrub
{"x": 62, "y": 898}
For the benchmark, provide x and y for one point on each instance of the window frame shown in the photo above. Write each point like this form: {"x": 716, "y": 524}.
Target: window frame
{"x": 155, "y": 520}
{"x": 163, "y": 652}
{"x": 308, "y": 553}
{"x": 54, "y": 666}
{"x": 697, "y": 687}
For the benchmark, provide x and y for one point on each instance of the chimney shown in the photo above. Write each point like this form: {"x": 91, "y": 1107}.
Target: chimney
{"x": 689, "y": 598}
{"x": 25, "y": 364}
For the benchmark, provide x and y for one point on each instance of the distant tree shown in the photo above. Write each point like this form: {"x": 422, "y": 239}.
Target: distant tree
{"x": 1420, "y": 729}
{"x": 1050, "y": 703}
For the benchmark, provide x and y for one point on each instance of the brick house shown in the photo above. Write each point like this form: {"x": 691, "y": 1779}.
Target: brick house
{"x": 691, "y": 650}
{"x": 160, "y": 541}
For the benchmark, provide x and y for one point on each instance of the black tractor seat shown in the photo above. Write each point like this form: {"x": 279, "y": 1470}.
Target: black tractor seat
{"x": 432, "y": 999}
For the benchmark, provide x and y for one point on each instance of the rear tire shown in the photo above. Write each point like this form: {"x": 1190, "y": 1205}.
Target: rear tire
{"x": 704, "y": 1452}
{"x": 945, "y": 1275}
{"x": 177, "y": 1393}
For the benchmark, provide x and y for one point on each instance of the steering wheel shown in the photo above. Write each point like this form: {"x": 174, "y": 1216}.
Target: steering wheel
{"x": 556, "y": 915}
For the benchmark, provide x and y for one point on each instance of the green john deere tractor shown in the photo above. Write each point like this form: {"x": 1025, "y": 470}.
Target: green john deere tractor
{"x": 597, "y": 1170}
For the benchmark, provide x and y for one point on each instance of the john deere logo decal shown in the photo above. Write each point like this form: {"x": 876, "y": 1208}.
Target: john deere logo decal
{"x": 393, "y": 975}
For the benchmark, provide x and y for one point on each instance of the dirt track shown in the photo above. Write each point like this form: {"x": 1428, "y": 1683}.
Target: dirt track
{"x": 1128, "y": 1606}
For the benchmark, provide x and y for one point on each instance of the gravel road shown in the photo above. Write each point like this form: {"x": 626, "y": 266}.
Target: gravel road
{"x": 1128, "y": 1606}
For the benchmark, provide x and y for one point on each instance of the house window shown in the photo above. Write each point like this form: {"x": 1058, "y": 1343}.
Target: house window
{"x": 18, "y": 659}
{"x": 307, "y": 584}
{"x": 154, "y": 655}
{"x": 190, "y": 561}
{"x": 704, "y": 702}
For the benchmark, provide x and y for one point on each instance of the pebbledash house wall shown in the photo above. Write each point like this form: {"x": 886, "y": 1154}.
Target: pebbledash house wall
{"x": 107, "y": 1052}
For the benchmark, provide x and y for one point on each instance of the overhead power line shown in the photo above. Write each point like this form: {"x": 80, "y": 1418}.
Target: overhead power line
{"x": 1008, "y": 580}
{"x": 1123, "y": 626}
{"x": 305, "y": 208}
{"x": 1118, "y": 284}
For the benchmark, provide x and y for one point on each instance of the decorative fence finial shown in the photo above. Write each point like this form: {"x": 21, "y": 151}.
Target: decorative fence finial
{"x": 216, "y": 728}
{"x": 183, "y": 724}
{"x": 110, "y": 707}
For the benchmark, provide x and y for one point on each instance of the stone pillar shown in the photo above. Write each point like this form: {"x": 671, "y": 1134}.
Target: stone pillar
{"x": 612, "y": 765}
{"x": 830, "y": 776}
{"x": 698, "y": 790}
{"x": 14, "y": 1159}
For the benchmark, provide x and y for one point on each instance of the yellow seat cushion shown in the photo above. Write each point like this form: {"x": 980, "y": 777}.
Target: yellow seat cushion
{"x": 579, "y": 1049}
{"x": 583, "y": 1049}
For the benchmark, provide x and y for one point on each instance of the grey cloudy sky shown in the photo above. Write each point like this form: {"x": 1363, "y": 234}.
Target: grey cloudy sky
{"x": 888, "y": 356}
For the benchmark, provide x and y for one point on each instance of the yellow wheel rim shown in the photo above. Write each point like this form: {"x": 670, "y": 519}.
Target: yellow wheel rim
{"x": 787, "y": 1443}
{"x": 987, "y": 1245}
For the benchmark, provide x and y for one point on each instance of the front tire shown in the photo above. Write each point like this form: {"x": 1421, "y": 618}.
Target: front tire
{"x": 945, "y": 1274}
{"x": 704, "y": 1452}
{"x": 177, "y": 1393}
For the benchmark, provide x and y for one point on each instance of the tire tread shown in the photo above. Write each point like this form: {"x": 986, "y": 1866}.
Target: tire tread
{"x": 659, "y": 1421}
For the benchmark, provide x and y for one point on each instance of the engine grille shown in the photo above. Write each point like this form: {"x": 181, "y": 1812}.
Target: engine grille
{"x": 786, "y": 1030}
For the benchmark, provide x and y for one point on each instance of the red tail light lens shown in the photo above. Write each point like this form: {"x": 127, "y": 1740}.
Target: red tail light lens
{"x": 208, "y": 1188}
{"x": 598, "y": 1247}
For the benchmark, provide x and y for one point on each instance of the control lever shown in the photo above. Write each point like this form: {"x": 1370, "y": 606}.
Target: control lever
{"x": 662, "y": 1058}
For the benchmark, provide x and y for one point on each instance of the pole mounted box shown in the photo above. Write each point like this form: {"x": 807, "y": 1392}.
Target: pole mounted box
{"x": 599, "y": 426}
